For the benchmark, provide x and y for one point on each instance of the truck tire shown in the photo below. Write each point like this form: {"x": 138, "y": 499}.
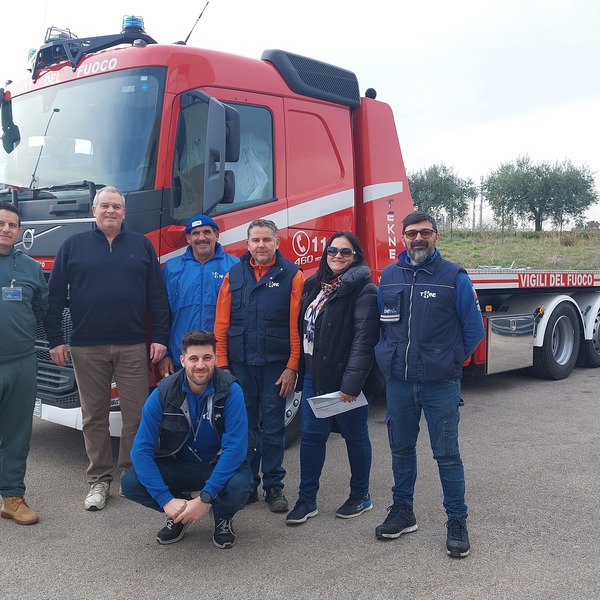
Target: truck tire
{"x": 293, "y": 420}
{"x": 558, "y": 354}
{"x": 590, "y": 349}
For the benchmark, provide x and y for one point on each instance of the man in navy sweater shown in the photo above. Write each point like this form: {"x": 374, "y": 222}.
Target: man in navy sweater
{"x": 193, "y": 436}
{"x": 112, "y": 279}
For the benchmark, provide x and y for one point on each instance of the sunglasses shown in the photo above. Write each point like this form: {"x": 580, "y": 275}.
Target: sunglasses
{"x": 411, "y": 234}
{"x": 345, "y": 252}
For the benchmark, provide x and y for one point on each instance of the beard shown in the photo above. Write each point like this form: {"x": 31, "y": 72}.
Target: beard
{"x": 419, "y": 254}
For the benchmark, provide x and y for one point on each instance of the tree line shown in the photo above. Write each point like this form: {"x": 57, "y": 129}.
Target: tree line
{"x": 518, "y": 192}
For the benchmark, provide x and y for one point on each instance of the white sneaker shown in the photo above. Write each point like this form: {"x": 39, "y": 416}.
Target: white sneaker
{"x": 96, "y": 498}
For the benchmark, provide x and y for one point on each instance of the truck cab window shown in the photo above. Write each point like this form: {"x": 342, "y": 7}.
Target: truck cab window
{"x": 254, "y": 169}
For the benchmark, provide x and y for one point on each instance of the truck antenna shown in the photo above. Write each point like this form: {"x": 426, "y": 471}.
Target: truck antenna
{"x": 194, "y": 26}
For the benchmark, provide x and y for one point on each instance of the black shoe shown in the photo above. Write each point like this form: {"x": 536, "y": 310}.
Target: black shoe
{"x": 354, "y": 506}
{"x": 224, "y": 536}
{"x": 172, "y": 532}
{"x": 400, "y": 519}
{"x": 301, "y": 512}
{"x": 253, "y": 497}
{"x": 276, "y": 500}
{"x": 457, "y": 538}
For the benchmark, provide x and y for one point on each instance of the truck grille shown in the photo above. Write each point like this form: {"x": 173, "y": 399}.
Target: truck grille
{"x": 56, "y": 385}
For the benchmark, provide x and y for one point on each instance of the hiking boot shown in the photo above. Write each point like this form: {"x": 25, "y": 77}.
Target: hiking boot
{"x": 276, "y": 500}
{"x": 253, "y": 497}
{"x": 400, "y": 519}
{"x": 354, "y": 506}
{"x": 302, "y": 511}
{"x": 172, "y": 532}
{"x": 457, "y": 538}
{"x": 96, "y": 497}
{"x": 224, "y": 536}
{"x": 17, "y": 509}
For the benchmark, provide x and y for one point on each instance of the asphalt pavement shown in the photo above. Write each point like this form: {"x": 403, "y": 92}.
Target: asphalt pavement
{"x": 532, "y": 453}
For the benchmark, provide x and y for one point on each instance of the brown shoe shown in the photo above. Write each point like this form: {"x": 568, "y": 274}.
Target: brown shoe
{"x": 16, "y": 508}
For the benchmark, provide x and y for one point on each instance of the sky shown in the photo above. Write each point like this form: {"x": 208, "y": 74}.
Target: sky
{"x": 472, "y": 84}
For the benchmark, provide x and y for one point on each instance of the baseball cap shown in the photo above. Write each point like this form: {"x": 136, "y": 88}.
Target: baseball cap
{"x": 199, "y": 221}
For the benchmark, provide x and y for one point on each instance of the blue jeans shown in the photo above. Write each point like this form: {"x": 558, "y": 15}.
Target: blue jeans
{"x": 266, "y": 419}
{"x": 439, "y": 401}
{"x": 353, "y": 426}
{"x": 183, "y": 477}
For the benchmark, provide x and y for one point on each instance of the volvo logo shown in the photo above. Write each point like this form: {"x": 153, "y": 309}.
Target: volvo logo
{"x": 28, "y": 239}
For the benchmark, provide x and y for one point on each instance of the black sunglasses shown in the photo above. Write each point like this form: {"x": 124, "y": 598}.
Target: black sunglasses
{"x": 412, "y": 234}
{"x": 345, "y": 252}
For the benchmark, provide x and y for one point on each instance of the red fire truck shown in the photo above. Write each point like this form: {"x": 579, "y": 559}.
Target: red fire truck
{"x": 183, "y": 131}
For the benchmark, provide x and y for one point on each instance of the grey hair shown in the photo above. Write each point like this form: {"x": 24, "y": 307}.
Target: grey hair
{"x": 264, "y": 223}
{"x": 112, "y": 190}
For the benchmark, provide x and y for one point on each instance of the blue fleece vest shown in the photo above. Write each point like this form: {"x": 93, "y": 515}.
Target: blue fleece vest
{"x": 422, "y": 334}
{"x": 259, "y": 331}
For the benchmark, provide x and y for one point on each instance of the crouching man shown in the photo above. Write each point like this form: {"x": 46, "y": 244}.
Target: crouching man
{"x": 193, "y": 437}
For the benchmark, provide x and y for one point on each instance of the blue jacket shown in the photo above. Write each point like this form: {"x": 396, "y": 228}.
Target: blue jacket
{"x": 193, "y": 288}
{"x": 431, "y": 321}
{"x": 259, "y": 330}
{"x": 18, "y": 318}
{"x": 166, "y": 426}
{"x": 112, "y": 289}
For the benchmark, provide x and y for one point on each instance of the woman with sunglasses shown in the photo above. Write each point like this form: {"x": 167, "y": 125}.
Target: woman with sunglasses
{"x": 339, "y": 327}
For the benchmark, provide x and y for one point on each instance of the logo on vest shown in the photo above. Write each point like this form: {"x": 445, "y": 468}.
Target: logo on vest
{"x": 428, "y": 294}
{"x": 272, "y": 284}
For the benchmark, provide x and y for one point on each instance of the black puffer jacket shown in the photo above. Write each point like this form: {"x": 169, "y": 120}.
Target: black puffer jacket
{"x": 346, "y": 332}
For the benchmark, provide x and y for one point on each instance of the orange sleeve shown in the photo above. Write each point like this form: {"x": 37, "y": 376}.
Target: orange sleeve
{"x": 295, "y": 301}
{"x": 222, "y": 321}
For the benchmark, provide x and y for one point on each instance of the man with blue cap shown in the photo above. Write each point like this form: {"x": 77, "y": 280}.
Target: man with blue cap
{"x": 193, "y": 281}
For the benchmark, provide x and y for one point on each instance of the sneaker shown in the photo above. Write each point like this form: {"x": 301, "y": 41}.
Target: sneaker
{"x": 457, "y": 538}
{"x": 276, "y": 500}
{"x": 96, "y": 497}
{"x": 172, "y": 532}
{"x": 253, "y": 497}
{"x": 17, "y": 509}
{"x": 224, "y": 536}
{"x": 302, "y": 511}
{"x": 354, "y": 506}
{"x": 400, "y": 519}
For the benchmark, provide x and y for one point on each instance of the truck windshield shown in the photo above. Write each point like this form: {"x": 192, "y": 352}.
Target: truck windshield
{"x": 102, "y": 129}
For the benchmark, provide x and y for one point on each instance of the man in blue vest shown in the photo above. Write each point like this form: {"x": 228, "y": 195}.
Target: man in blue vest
{"x": 193, "y": 281}
{"x": 193, "y": 436}
{"x": 258, "y": 340}
{"x": 431, "y": 323}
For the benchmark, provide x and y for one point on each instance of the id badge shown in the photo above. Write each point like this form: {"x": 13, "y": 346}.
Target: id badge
{"x": 12, "y": 294}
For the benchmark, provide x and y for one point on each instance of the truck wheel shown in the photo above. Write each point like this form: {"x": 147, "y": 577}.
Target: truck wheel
{"x": 292, "y": 418}
{"x": 558, "y": 354}
{"x": 591, "y": 348}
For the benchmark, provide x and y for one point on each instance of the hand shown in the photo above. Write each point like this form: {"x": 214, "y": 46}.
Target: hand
{"x": 174, "y": 507}
{"x": 195, "y": 509}
{"x": 347, "y": 397}
{"x": 157, "y": 352}
{"x": 287, "y": 380}
{"x": 165, "y": 366}
{"x": 59, "y": 355}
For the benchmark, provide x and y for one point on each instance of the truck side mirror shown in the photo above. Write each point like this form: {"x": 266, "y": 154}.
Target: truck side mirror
{"x": 232, "y": 140}
{"x": 11, "y": 136}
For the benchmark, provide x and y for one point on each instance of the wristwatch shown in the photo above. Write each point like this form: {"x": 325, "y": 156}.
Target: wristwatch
{"x": 206, "y": 497}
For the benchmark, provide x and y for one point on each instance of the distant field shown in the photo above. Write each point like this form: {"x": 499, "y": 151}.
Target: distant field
{"x": 537, "y": 250}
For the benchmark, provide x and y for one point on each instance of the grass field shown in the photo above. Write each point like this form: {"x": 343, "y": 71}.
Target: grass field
{"x": 537, "y": 250}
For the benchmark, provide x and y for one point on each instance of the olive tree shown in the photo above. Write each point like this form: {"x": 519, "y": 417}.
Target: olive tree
{"x": 539, "y": 192}
{"x": 438, "y": 191}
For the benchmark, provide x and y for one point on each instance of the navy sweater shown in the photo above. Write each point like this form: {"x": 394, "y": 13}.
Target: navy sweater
{"x": 111, "y": 287}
